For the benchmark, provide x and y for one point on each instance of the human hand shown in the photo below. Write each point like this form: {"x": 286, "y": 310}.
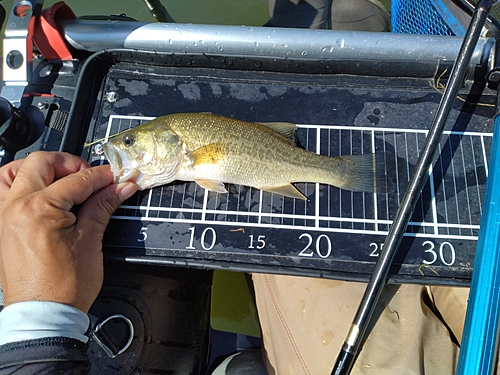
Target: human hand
{"x": 47, "y": 253}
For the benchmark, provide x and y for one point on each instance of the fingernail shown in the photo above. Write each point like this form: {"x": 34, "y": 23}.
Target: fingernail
{"x": 126, "y": 189}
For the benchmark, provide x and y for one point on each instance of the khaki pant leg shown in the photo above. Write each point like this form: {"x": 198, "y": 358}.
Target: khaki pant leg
{"x": 452, "y": 304}
{"x": 305, "y": 321}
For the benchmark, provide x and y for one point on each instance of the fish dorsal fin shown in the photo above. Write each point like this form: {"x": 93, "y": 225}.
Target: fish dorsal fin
{"x": 286, "y": 129}
{"x": 216, "y": 186}
{"x": 212, "y": 153}
{"x": 287, "y": 190}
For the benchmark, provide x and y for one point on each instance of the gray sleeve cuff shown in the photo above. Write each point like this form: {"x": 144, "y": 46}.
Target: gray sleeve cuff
{"x": 37, "y": 319}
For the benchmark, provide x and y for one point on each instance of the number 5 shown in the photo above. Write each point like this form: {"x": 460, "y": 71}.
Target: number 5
{"x": 143, "y": 233}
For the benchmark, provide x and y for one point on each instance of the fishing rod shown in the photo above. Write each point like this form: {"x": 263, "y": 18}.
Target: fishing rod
{"x": 352, "y": 343}
{"x": 158, "y": 11}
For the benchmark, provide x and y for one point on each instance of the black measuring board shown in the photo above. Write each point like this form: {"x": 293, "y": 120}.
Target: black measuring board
{"x": 336, "y": 233}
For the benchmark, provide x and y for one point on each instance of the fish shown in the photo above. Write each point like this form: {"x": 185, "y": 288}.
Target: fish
{"x": 215, "y": 150}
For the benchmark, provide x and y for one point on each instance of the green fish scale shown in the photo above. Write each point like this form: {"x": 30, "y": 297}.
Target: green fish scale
{"x": 257, "y": 156}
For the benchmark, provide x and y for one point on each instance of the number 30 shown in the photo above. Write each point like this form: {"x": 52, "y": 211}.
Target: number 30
{"x": 442, "y": 248}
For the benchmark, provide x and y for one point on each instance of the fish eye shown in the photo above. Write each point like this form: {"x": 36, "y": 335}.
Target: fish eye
{"x": 128, "y": 140}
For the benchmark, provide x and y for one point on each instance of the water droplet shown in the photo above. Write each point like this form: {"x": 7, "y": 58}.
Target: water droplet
{"x": 256, "y": 44}
{"x": 326, "y": 337}
{"x": 220, "y": 48}
{"x": 304, "y": 53}
{"x": 340, "y": 42}
{"x": 327, "y": 49}
{"x": 170, "y": 41}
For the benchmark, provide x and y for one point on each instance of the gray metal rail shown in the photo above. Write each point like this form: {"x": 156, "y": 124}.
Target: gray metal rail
{"x": 398, "y": 54}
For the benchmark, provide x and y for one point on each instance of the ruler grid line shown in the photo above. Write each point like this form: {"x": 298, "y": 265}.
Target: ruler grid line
{"x": 440, "y": 213}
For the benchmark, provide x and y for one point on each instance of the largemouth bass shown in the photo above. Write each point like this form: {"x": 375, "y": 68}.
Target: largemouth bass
{"x": 212, "y": 150}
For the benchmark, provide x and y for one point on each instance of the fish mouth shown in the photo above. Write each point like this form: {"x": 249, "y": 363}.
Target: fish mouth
{"x": 119, "y": 163}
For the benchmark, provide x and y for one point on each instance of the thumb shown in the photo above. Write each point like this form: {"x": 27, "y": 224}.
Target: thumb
{"x": 94, "y": 214}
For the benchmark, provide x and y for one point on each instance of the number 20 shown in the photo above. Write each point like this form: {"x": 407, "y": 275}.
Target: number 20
{"x": 307, "y": 252}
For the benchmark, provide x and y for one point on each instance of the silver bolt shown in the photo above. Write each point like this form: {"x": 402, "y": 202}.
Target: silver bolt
{"x": 98, "y": 149}
{"x": 111, "y": 97}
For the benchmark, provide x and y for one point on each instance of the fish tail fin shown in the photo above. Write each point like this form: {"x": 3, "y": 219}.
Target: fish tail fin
{"x": 366, "y": 173}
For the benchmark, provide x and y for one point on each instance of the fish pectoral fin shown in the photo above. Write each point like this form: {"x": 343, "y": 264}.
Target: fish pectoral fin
{"x": 212, "y": 153}
{"x": 286, "y": 190}
{"x": 216, "y": 186}
{"x": 286, "y": 129}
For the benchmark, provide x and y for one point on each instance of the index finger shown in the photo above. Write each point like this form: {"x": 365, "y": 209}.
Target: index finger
{"x": 77, "y": 187}
{"x": 40, "y": 169}
{"x": 7, "y": 176}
